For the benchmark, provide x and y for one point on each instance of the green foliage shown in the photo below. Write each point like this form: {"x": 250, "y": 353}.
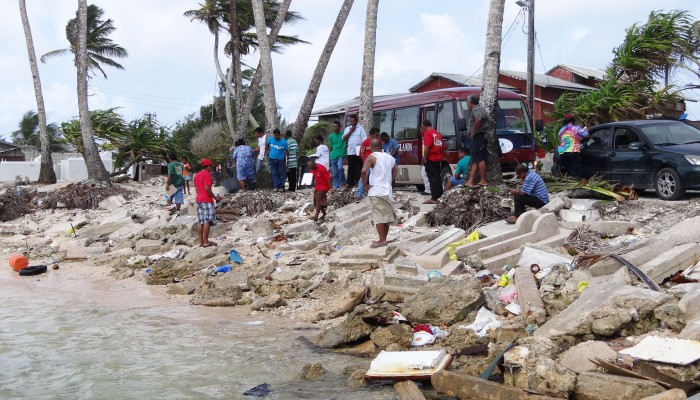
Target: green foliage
{"x": 28, "y": 133}
{"x": 307, "y": 145}
{"x": 101, "y": 50}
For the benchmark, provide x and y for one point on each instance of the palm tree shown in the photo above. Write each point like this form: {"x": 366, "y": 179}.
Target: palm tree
{"x": 492, "y": 64}
{"x": 100, "y": 48}
{"x": 46, "y": 171}
{"x": 28, "y": 134}
{"x": 367, "y": 84}
{"x": 266, "y": 63}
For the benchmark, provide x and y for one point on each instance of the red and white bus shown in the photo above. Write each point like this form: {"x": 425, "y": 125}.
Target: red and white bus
{"x": 448, "y": 112}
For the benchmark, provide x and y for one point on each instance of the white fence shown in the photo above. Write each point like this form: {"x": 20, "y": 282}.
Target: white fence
{"x": 69, "y": 170}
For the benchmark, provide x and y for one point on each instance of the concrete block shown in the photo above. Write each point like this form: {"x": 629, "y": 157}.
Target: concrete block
{"x": 148, "y": 246}
{"x": 115, "y": 255}
{"x": 353, "y": 264}
{"x": 305, "y": 245}
{"x": 690, "y": 304}
{"x": 75, "y": 242}
{"x": 555, "y": 204}
{"x": 115, "y": 216}
{"x": 465, "y": 387}
{"x": 533, "y": 311}
{"x": 127, "y": 231}
{"x": 82, "y": 253}
{"x": 606, "y": 228}
{"x": 300, "y": 227}
{"x": 598, "y": 386}
{"x": 361, "y": 252}
{"x": 673, "y": 394}
{"x": 437, "y": 245}
{"x": 578, "y": 358}
{"x": 669, "y": 262}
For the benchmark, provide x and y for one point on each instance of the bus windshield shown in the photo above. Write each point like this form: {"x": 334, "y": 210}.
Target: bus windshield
{"x": 510, "y": 118}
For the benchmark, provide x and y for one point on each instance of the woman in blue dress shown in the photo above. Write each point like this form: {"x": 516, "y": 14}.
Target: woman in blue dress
{"x": 245, "y": 166}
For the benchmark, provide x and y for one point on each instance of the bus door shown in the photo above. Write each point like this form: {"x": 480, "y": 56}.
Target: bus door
{"x": 426, "y": 112}
{"x": 407, "y": 133}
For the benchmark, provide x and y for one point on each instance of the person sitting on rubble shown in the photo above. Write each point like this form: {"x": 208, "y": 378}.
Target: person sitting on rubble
{"x": 461, "y": 170}
{"x": 245, "y": 166}
{"x": 533, "y": 193}
{"x": 322, "y": 184}
{"x": 383, "y": 171}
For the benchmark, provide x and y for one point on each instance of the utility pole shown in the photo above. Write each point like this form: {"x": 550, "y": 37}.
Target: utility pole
{"x": 531, "y": 57}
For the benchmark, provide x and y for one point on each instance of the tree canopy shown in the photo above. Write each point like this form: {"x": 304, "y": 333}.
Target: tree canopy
{"x": 27, "y": 133}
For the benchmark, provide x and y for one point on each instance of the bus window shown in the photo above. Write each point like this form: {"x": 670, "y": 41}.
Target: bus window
{"x": 382, "y": 120}
{"x": 510, "y": 116}
{"x": 446, "y": 125}
{"x": 406, "y": 124}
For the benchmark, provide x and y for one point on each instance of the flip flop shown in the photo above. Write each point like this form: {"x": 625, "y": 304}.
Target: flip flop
{"x": 374, "y": 245}
{"x": 210, "y": 244}
{"x": 431, "y": 201}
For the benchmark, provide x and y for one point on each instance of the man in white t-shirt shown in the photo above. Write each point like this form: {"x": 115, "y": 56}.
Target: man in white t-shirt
{"x": 260, "y": 151}
{"x": 383, "y": 171}
{"x": 354, "y": 135}
{"x": 322, "y": 154}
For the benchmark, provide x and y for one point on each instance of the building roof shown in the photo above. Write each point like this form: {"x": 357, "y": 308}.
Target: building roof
{"x": 586, "y": 72}
{"x": 342, "y": 107}
{"x": 543, "y": 80}
{"x": 8, "y": 144}
{"x": 464, "y": 80}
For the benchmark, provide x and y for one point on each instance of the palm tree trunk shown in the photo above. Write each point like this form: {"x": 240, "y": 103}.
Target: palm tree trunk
{"x": 492, "y": 63}
{"x": 317, "y": 77}
{"x": 226, "y": 79}
{"x": 236, "y": 61}
{"x": 46, "y": 171}
{"x": 268, "y": 78}
{"x": 95, "y": 169}
{"x": 257, "y": 76}
{"x": 367, "y": 86}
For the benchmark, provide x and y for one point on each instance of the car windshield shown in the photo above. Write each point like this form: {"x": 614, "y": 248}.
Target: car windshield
{"x": 671, "y": 134}
{"x": 511, "y": 116}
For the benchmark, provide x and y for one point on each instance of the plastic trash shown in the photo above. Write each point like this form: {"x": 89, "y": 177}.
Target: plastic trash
{"x": 422, "y": 338}
{"x": 278, "y": 255}
{"x": 452, "y": 247}
{"x": 508, "y": 294}
{"x": 503, "y": 281}
{"x": 258, "y": 391}
{"x": 439, "y": 333}
{"x": 484, "y": 321}
{"x": 514, "y": 308}
{"x": 434, "y": 274}
{"x": 223, "y": 269}
{"x": 234, "y": 256}
{"x": 582, "y": 285}
{"x": 148, "y": 271}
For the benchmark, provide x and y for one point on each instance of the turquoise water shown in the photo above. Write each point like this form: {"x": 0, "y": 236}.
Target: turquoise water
{"x": 65, "y": 337}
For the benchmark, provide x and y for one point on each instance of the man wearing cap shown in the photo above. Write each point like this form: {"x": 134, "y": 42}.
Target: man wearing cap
{"x": 570, "y": 136}
{"x": 206, "y": 213}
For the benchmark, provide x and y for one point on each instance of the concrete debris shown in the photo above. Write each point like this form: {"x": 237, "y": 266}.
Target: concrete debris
{"x": 312, "y": 372}
{"x": 578, "y": 358}
{"x": 398, "y": 335}
{"x": 598, "y": 386}
{"x": 446, "y": 302}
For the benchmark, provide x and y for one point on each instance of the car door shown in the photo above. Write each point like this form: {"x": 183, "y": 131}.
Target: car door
{"x": 594, "y": 151}
{"x": 628, "y": 165}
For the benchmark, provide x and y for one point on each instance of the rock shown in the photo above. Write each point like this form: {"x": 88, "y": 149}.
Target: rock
{"x": 444, "y": 303}
{"x": 578, "y": 357}
{"x": 598, "y": 386}
{"x": 555, "y": 204}
{"x": 164, "y": 270}
{"x": 355, "y": 376}
{"x": 216, "y": 291}
{"x": 312, "y": 372}
{"x": 261, "y": 225}
{"x": 114, "y": 256}
{"x": 112, "y": 203}
{"x": 353, "y": 328}
{"x": 673, "y": 394}
{"x": 398, "y": 334}
{"x": 671, "y": 315}
{"x": 465, "y": 387}
{"x": 493, "y": 302}
{"x": 267, "y": 302}
{"x": 301, "y": 227}
{"x": 139, "y": 218}
{"x": 542, "y": 375}
{"x": 245, "y": 300}
{"x": 308, "y": 274}
{"x": 122, "y": 273}
{"x": 364, "y": 349}
{"x": 304, "y": 245}
{"x": 690, "y": 303}
{"x": 149, "y": 246}
{"x": 337, "y": 298}
{"x": 285, "y": 275}
{"x": 182, "y": 288}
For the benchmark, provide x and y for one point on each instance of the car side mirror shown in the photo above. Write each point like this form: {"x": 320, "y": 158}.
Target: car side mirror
{"x": 462, "y": 124}
{"x": 635, "y": 145}
{"x": 539, "y": 125}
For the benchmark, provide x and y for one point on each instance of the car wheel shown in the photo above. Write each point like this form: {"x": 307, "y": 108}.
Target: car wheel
{"x": 668, "y": 184}
{"x": 445, "y": 175}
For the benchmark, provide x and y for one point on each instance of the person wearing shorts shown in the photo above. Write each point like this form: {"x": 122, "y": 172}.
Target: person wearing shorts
{"x": 206, "y": 211}
{"x": 479, "y": 123}
{"x": 175, "y": 179}
{"x": 186, "y": 168}
{"x": 383, "y": 168}
{"x": 322, "y": 184}
{"x": 461, "y": 170}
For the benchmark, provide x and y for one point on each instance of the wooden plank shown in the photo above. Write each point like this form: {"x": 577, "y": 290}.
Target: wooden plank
{"x": 408, "y": 390}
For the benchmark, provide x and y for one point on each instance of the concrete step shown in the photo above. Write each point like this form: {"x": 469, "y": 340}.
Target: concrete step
{"x": 353, "y": 264}
{"x": 436, "y": 245}
{"x": 511, "y": 257}
{"x": 671, "y": 261}
{"x": 498, "y": 232}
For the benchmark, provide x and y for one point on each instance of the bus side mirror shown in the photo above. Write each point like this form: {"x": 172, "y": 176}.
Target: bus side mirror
{"x": 462, "y": 124}
{"x": 539, "y": 125}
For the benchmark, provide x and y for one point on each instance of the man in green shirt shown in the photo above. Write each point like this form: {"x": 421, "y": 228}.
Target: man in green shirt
{"x": 339, "y": 149}
{"x": 292, "y": 163}
{"x": 176, "y": 180}
{"x": 461, "y": 170}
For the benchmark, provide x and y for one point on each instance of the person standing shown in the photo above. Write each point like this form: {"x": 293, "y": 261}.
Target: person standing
{"x": 479, "y": 124}
{"x": 383, "y": 171}
{"x": 390, "y": 146}
{"x": 570, "y": 136}
{"x": 354, "y": 135}
{"x": 186, "y": 168}
{"x": 277, "y": 151}
{"x": 533, "y": 193}
{"x": 433, "y": 147}
{"x": 339, "y": 149}
{"x": 322, "y": 154}
{"x": 243, "y": 155}
{"x": 260, "y": 151}
{"x": 292, "y": 162}
{"x": 461, "y": 170}
{"x": 322, "y": 184}
{"x": 176, "y": 180}
{"x": 365, "y": 151}
{"x": 206, "y": 212}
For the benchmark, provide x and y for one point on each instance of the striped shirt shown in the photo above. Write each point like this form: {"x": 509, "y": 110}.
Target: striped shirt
{"x": 293, "y": 147}
{"x": 534, "y": 186}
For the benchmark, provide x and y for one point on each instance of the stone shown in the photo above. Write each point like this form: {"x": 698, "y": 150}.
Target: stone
{"x": 312, "y": 372}
{"x": 285, "y": 275}
{"x": 533, "y": 311}
{"x": 122, "y": 273}
{"x": 555, "y": 204}
{"x": 493, "y": 301}
{"x": 216, "y": 291}
{"x": 139, "y": 218}
{"x": 353, "y": 328}
{"x": 690, "y": 303}
{"x": 83, "y": 253}
{"x": 671, "y": 315}
{"x": 673, "y": 394}
{"x": 355, "y": 376}
{"x": 301, "y": 227}
{"x": 465, "y": 387}
{"x": 82, "y": 242}
{"x": 364, "y": 349}
{"x": 399, "y": 334}
{"x": 542, "y": 375}
{"x": 308, "y": 274}
{"x": 559, "y": 288}
{"x": 112, "y": 202}
{"x": 182, "y": 288}
{"x": 337, "y": 298}
{"x": 116, "y": 256}
{"x": 116, "y": 215}
{"x": 304, "y": 245}
{"x": 444, "y": 303}
{"x": 165, "y": 270}
{"x": 267, "y": 302}
{"x": 408, "y": 390}
{"x": 127, "y": 231}
{"x": 149, "y": 246}
{"x": 578, "y": 358}
{"x": 598, "y": 386}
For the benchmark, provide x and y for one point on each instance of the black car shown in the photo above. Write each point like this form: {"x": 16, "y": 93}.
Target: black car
{"x": 649, "y": 154}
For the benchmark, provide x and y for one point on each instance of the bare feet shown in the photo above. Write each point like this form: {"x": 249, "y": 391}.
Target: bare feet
{"x": 431, "y": 201}
{"x": 511, "y": 220}
{"x": 374, "y": 245}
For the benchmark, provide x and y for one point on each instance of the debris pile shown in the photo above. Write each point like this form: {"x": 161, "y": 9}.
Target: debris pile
{"x": 15, "y": 202}
{"x": 82, "y": 195}
{"x": 467, "y": 208}
{"x": 594, "y": 185}
{"x": 340, "y": 198}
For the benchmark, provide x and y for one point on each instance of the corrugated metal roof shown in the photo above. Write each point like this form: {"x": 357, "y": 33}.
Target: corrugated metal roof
{"x": 465, "y": 80}
{"x": 543, "y": 80}
{"x": 341, "y": 107}
{"x": 585, "y": 72}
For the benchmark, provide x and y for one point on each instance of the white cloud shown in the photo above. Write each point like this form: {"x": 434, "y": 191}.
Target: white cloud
{"x": 579, "y": 34}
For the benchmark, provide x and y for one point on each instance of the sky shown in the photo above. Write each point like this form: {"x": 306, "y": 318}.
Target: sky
{"x": 170, "y": 69}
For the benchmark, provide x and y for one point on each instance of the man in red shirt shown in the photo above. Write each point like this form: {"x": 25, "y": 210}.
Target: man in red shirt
{"x": 206, "y": 213}
{"x": 365, "y": 152}
{"x": 433, "y": 147}
{"x": 322, "y": 180}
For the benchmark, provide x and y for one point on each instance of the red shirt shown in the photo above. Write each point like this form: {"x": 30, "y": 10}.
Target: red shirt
{"x": 433, "y": 140}
{"x": 322, "y": 178}
{"x": 365, "y": 149}
{"x": 202, "y": 179}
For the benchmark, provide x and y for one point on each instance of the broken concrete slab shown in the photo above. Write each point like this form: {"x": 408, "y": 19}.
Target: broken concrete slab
{"x": 353, "y": 328}
{"x": 83, "y": 253}
{"x": 357, "y": 257}
{"x": 445, "y": 302}
{"x": 268, "y": 302}
{"x": 555, "y": 204}
{"x": 465, "y": 387}
{"x": 304, "y": 245}
{"x": 216, "y": 291}
{"x": 669, "y": 262}
{"x": 690, "y": 302}
{"x": 337, "y": 298}
{"x": 112, "y": 202}
{"x": 673, "y": 394}
{"x": 605, "y": 228}
{"x": 115, "y": 256}
{"x": 541, "y": 375}
{"x": 578, "y": 358}
{"x": 398, "y": 335}
{"x": 599, "y": 386}
{"x": 533, "y": 311}
{"x": 148, "y": 246}
{"x": 117, "y": 215}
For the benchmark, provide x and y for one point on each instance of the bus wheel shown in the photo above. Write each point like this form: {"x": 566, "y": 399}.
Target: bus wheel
{"x": 445, "y": 175}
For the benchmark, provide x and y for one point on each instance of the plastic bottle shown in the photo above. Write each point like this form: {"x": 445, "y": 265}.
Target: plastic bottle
{"x": 223, "y": 269}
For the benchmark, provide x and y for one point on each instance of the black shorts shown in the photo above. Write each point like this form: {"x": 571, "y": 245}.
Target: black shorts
{"x": 478, "y": 148}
